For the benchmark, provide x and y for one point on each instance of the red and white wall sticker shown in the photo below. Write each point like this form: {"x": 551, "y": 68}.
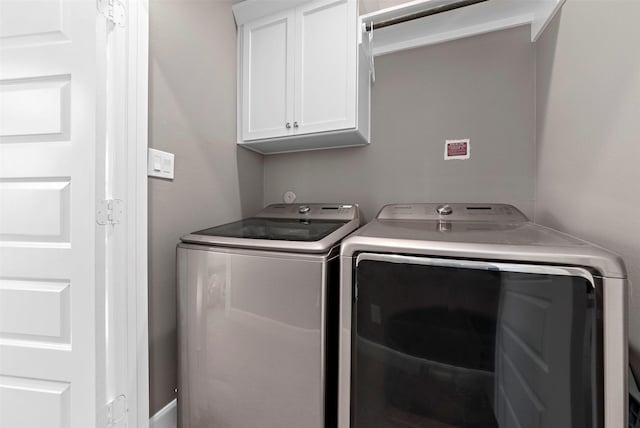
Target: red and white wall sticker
{"x": 457, "y": 149}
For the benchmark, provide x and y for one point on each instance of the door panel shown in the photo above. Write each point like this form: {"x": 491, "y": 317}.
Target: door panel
{"x": 325, "y": 74}
{"x": 49, "y": 131}
{"x": 267, "y": 98}
{"x": 47, "y": 22}
{"x": 35, "y": 211}
{"x": 18, "y": 117}
{"x": 19, "y": 397}
{"x": 19, "y": 299}
{"x": 452, "y": 346}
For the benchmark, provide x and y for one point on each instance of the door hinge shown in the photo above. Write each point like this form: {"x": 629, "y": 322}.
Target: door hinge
{"x": 117, "y": 412}
{"x": 113, "y": 10}
{"x": 110, "y": 211}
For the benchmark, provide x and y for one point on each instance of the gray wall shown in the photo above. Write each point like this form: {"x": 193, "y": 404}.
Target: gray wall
{"x": 192, "y": 109}
{"x": 588, "y": 131}
{"x": 480, "y": 88}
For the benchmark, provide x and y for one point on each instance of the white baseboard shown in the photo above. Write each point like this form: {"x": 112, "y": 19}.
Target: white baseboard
{"x": 167, "y": 417}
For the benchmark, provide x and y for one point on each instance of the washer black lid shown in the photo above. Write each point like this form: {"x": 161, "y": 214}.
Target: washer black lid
{"x": 275, "y": 229}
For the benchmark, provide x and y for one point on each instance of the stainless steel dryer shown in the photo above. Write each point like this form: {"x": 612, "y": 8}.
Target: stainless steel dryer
{"x": 253, "y": 298}
{"x": 469, "y": 315}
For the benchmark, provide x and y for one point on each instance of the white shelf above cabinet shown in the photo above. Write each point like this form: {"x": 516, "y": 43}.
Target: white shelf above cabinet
{"x": 480, "y": 18}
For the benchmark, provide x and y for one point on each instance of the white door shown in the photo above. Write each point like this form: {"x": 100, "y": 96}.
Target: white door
{"x": 267, "y": 77}
{"x": 325, "y": 70}
{"x": 52, "y": 340}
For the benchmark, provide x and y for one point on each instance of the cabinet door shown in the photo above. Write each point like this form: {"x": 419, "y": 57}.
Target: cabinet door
{"x": 325, "y": 74}
{"x": 267, "y": 77}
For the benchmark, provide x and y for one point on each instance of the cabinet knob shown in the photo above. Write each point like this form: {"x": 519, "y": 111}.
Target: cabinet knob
{"x": 288, "y": 125}
{"x": 295, "y": 124}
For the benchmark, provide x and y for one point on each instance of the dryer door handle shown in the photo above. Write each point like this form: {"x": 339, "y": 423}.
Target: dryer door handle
{"x": 479, "y": 265}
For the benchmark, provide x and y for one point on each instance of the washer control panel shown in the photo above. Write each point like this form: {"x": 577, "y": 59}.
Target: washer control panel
{"x": 343, "y": 212}
{"x": 453, "y": 212}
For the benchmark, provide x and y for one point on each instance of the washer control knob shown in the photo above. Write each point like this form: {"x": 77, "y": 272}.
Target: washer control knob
{"x": 304, "y": 209}
{"x": 444, "y": 210}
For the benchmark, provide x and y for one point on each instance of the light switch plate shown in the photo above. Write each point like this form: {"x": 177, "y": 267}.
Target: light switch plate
{"x": 160, "y": 164}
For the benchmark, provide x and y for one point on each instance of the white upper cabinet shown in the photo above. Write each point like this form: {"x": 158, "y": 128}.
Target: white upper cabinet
{"x": 303, "y": 78}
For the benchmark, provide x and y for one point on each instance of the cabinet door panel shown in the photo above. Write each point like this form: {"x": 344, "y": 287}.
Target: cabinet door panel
{"x": 325, "y": 74}
{"x": 267, "y": 77}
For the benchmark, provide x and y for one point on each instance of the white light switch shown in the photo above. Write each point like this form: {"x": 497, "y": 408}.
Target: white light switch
{"x": 160, "y": 164}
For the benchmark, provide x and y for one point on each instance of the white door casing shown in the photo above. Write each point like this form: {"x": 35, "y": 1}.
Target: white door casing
{"x": 71, "y": 135}
{"x": 134, "y": 159}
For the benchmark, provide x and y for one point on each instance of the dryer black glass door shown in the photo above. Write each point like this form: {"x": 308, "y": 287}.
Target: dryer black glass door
{"x": 472, "y": 344}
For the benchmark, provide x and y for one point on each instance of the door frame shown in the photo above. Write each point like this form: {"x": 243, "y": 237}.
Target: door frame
{"x": 136, "y": 214}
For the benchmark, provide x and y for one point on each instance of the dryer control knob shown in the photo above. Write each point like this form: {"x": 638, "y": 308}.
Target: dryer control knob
{"x": 444, "y": 210}
{"x": 304, "y": 209}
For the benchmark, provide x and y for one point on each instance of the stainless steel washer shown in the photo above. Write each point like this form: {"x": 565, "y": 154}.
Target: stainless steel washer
{"x": 469, "y": 315}
{"x": 255, "y": 347}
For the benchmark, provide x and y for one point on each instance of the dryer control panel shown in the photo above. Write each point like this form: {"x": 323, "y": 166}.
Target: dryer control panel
{"x": 344, "y": 212}
{"x": 452, "y": 212}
